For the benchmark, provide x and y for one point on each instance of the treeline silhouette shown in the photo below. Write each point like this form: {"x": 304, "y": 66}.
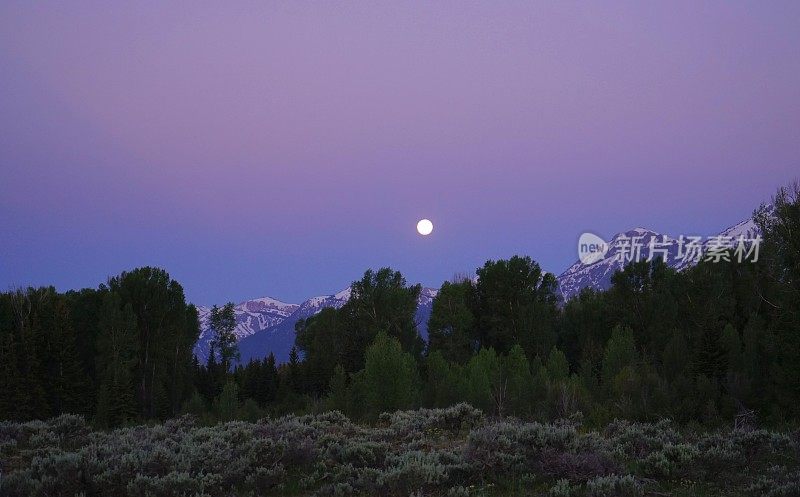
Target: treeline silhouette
{"x": 712, "y": 343}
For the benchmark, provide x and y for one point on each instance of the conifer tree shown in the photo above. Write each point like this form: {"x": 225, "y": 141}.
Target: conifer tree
{"x": 294, "y": 370}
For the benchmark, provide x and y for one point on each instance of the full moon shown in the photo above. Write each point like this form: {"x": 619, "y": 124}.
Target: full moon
{"x": 424, "y": 226}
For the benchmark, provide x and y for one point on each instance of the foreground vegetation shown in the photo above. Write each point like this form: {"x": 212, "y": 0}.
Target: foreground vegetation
{"x": 455, "y": 451}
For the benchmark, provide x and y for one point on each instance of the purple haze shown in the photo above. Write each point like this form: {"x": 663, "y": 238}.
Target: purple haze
{"x": 281, "y": 148}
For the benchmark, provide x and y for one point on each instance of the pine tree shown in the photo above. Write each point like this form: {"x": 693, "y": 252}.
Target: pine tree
{"x": 268, "y": 381}
{"x": 213, "y": 380}
{"x": 295, "y": 373}
{"x": 732, "y": 345}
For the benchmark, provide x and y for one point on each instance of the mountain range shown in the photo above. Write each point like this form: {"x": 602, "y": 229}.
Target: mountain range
{"x": 266, "y": 325}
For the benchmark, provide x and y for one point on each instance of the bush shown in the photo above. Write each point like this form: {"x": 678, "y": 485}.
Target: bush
{"x": 613, "y": 486}
{"x": 437, "y": 452}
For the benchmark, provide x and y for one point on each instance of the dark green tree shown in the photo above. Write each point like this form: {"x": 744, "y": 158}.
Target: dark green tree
{"x": 485, "y": 387}
{"x": 223, "y": 322}
{"x": 444, "y": 381}
{"x": 389, "y": 376}
{"x": 167, "y": 330}
{"x": 518, "y": 380}
{"x": 321, "y": 338}
{"x": 517, "y": 304}
{"x": 116, "y": 363}
{"x": 451, "y": 327}
{"x": 382, "y": 301}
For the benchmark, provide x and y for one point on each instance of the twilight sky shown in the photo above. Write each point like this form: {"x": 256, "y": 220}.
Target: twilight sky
{"x": 281, "y": 148}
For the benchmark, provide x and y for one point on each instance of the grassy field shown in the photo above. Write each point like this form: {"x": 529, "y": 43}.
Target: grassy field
{"x": 439, "y": 452}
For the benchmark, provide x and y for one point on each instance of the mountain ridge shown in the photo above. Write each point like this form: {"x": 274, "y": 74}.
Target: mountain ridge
{"x": 266, "y": 324}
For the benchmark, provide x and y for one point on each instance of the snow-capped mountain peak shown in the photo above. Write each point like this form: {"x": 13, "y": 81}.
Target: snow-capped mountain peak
{"x": 252, "y": 316}
{"x": 639, "y": 244}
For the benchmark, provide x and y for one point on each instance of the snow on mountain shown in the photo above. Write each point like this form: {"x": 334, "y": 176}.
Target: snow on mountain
{"x": 598, "y": 275}
{"x": 252, "y": 316}
{"x": 279, "y": 338}
{"x": 622, "y": 250}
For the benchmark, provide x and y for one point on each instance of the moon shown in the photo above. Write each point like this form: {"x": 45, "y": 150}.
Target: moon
{"x": 424, "y": 227}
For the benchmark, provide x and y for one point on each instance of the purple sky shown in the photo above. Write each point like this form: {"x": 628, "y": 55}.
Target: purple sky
{"x": 281, "y": 148}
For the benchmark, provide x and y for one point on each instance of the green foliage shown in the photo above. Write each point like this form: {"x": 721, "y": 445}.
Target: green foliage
{"x": 167, "y": 329}
{"x": 518, "y": 380}
{"x": 620, "y": 354}
{"x": 116, "y": 360}
{"x": 451, "y": 327}
{"x": 339, "y": 394}
{"x": 557, "y": 366}
{"x": 321, "y": 339}
{"x": 444, "y": 384}
{"x": 516, "y": 305}
{"x": 226, "y": 406}
{"x": 389, "y": 377}
{"x": 380, "y": 302}
{"x": 485, "y": 389}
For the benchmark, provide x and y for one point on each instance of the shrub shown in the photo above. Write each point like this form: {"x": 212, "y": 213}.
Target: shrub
{"x": 613, "y": 486}
{"x": 436, "y": 452}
